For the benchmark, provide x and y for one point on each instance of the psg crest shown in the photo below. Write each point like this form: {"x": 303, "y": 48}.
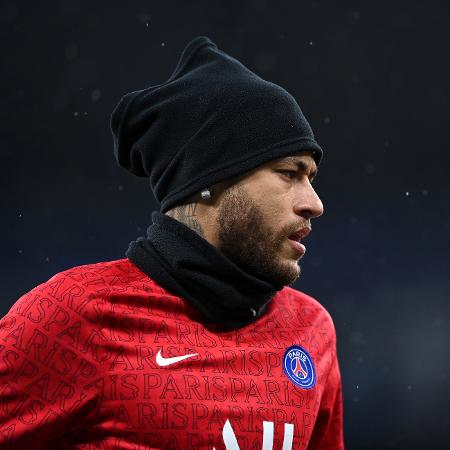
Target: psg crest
{"x": 299, "y": 367}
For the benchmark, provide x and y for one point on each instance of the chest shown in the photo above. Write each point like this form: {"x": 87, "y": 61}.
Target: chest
{"x": 171, "y": 383}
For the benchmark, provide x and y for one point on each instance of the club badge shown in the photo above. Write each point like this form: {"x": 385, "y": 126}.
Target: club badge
{"x": 299, "y": 368}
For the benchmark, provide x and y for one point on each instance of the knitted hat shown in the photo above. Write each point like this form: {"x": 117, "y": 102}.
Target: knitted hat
{"x": 212, "y": 120}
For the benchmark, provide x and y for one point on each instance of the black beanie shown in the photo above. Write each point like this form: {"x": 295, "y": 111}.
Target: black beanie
{"x": 212, "y": 120}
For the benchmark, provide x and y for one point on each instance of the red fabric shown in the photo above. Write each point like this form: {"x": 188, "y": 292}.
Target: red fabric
{"x": 78, "y": 370}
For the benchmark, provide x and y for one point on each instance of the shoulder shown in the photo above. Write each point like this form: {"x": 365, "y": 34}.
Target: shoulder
{"x": 104, "y": 276}
{"x": 107, "y": 270}
{"x": 81, "y": 287}
{"x": 307, "y": 307}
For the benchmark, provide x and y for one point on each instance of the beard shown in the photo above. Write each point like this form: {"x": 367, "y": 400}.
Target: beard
{"x": 246, "y": 239}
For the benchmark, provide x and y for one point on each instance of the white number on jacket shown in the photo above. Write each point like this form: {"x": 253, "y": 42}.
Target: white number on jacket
{"x": 229, "y": 438}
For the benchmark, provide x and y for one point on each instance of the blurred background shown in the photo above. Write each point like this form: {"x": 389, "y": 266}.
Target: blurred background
{"x": 371, "y": 77}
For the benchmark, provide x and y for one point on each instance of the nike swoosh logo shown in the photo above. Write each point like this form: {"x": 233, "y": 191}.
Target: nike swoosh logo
{"x": 161, "y": 361}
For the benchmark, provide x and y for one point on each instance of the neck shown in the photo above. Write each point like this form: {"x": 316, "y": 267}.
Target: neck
{"x": 188, "y": 215}
{"x": 188, "y": 266}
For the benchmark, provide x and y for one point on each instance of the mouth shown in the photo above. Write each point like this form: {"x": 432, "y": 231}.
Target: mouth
{"x": 297, "y": 246}
{"x": 295, "y": 238}
{"x": 300, "y": 234}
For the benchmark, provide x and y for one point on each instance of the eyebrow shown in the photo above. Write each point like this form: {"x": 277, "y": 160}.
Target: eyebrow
{"x": 301, "y": 165}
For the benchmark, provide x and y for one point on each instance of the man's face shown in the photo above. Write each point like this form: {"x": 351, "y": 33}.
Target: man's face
{"x": 257, "y": 215}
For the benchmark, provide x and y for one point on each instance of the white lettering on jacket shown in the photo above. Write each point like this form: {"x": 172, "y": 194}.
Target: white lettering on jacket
{"x": 231, "y": 443}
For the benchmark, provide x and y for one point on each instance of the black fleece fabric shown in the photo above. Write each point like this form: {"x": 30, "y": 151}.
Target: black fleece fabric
{"x": 212, "y": 120}
{"x": 188, "y": 266}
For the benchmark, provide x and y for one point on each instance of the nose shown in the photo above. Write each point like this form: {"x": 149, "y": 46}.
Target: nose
{"x": 308, "y": 203}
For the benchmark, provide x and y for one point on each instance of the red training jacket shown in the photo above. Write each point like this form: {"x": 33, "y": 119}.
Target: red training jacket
{"x": 102, "y": 357}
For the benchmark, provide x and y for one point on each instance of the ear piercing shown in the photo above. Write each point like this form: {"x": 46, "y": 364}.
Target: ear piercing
{"x": 206, "y": 194}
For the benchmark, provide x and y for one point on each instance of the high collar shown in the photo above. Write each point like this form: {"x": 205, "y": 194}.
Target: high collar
{"x": 188, "y": 266}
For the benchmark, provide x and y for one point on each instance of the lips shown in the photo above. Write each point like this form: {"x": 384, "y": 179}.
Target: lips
{"x": 298, "y": 247}
{"x": 295, "y": 238}
{"x": 300, "y": 234}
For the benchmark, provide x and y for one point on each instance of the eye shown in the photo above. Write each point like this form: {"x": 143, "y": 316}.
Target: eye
{"x": 289, "y": 172}
{"x": 292, "y": 174}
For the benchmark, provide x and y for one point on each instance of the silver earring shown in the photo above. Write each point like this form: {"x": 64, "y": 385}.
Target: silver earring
{"x": 206, "y": 194}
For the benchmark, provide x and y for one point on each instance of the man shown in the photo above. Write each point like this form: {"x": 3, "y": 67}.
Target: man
{"x": 194, "y": 340}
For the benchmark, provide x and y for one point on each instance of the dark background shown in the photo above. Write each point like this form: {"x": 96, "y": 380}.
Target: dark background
{"x": 372, "y": 80}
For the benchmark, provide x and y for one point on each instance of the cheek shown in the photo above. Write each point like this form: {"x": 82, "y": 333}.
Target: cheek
{"x": 273, "y": 215}
{"x": 271, "y": 202}
{"x": 267, "y": 204}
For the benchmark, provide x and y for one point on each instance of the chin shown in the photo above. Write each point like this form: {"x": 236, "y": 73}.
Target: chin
{"x": 285, "y": 273}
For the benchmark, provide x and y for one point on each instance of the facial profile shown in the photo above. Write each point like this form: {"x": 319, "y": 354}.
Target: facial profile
{"x": 256, "y": 216}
